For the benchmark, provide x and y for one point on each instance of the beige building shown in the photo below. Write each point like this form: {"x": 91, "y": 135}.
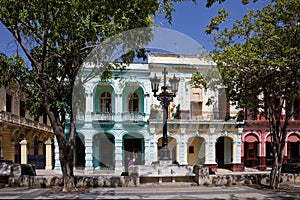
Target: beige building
{"x": 23, "y": 139}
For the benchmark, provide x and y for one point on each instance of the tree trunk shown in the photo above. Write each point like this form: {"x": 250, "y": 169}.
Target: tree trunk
{"x": 67, "y": 164}
{"x": 66, "y": 152}
{"x": 275, "y": 173}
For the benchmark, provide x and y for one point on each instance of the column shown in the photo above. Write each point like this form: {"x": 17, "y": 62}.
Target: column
{"x": 210, "y": 151}
{"x": 118, "y": 156}
{"x": 89, "y": 106}
{"x": 152, "y": 151}
{"x": 234, "y": 152}
{"x": 88, "y": 141}
{"x": 23, "y": 144}
{"x": 212, "y": 147}
{"x": 182, "y": 148}
{"x": 183, "y": 153}
{"x": 118, "y": 107}
{"x": 48, "y": 154}
{"x": 57, "y": 166}
{"x": 147, "y": 152}
{"x": 239, "y": 146}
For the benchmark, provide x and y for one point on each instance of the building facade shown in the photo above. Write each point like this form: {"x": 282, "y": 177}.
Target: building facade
{"x": 23, "y": 139}
{"x": 257, "y": 141}
{"x": 122, "y": 120}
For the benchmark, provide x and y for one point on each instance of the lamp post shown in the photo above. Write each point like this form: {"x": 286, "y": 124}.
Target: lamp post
{"x": 165, "y": 98}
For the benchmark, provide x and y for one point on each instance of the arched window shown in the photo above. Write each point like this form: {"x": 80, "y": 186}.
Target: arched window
{"x": 105, "y": 102}
{"x": 133, "y": 102}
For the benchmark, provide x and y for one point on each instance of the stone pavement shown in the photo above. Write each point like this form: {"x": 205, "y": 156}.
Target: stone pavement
{"x": 156, "y": 191}
{"x": 178, "y": 190}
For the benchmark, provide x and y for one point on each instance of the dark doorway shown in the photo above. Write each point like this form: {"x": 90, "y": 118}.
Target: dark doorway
{"x": 269, "y": 154}
{"x": 80, "y": 153}
{"x": 250, "y": 154}
{"x": 133, "y": 149}
{"x": 220, "y": 152}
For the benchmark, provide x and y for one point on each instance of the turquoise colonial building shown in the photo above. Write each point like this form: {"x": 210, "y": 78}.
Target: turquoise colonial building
{"x": 122, "y": 120}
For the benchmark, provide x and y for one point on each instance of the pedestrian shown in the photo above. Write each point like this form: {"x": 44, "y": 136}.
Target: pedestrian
{"x": 131, "y": 162}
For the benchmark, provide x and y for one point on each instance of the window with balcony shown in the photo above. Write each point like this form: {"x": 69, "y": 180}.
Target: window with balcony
{"x": 8, "y": 103}
{"x": 105, "y": 102}
{"x": 196, "y": 110}
{"x": 133, "y": 102}
{"x": 22, "y": 108}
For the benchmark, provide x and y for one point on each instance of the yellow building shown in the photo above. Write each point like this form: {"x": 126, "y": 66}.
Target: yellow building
{"x": 23, "y": 139}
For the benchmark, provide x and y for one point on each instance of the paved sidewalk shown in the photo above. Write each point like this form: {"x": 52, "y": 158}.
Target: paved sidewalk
{"x": 155, "y": 191}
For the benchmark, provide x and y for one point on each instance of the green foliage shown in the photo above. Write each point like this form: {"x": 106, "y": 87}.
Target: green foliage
{"x": 259, "y": 62}
{"x": 209, "y": 3}
{"x": 260, "y": 54}
{"x": 57, "y": 36}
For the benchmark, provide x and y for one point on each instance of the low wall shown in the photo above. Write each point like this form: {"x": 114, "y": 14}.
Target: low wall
{"x": 128, "y": 181}
{"x": 15, "y": 177}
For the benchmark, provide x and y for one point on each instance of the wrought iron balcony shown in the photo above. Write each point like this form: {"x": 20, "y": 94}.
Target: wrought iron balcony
{"x": 18, "y": 120}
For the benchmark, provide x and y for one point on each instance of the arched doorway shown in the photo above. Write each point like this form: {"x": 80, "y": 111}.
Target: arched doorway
{"x": 251, "y": 150}
{"x": 196, "y": 151}
{"x": 293, "y": 148}
{"x": 104, "y": 151}
{"x": 79, "y": 151}
{"x": 133, "y": 148}
{"x": 172, "y": 143}
{"x": 224, "y": 152}
{"x": 37, "y": 156}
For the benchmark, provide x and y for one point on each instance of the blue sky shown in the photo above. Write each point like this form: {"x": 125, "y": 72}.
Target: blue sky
{"x": 188, "y": 19}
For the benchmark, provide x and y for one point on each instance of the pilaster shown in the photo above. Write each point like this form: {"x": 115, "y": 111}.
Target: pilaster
{"x": 23, "y": 144}
{"x": 147, "y": 152}
{"x": 57, "y": 166}
{"x": 48, "y": 154}
{"x": 118, "y": 156}
{"x": 182, "y": 148}
{"x": 88, "y": 140}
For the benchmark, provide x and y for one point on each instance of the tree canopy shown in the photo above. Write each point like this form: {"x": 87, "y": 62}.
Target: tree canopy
{"x": 56, "y": 36}
{"x": 258, "y": 58}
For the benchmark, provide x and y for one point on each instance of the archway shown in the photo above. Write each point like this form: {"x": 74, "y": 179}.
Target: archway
{"x": 224, "y": 152}
{"x": 133, "y": 148}
{"x": 172, "y": 146}
{"x": 104, "y": 151}
{"x": 196, "y": 151}
{"x": 251, "y": 150}
{"x": 293, "y": 148}
{"x": 37, "y": 156}
{"x": 79, "y": 156}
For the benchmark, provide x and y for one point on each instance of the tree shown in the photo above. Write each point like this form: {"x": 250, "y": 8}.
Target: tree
{"x": 209, "y": 3}
{"x": 259, "y": 59}
{"x": 56, "y": 36}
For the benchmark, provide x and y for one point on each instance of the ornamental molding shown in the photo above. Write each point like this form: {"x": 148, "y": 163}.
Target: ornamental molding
{"x": 225, "y": 133}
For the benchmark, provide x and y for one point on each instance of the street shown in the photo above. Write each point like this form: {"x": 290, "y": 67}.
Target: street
{"x": 155, "y": 191}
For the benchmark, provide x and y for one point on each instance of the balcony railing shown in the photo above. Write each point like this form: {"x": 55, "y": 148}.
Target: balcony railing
{"x": 203, "y": 115}
{"x": 103, "y": 116}
{"x": 133, "y": 116}
{"x": 16, "y": 119}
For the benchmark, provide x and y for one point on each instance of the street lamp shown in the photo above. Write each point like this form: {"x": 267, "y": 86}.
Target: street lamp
{"x": 165, "y": 98}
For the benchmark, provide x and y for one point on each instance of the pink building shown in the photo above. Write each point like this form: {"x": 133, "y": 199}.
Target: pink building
{"x": 256, "y": 142}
